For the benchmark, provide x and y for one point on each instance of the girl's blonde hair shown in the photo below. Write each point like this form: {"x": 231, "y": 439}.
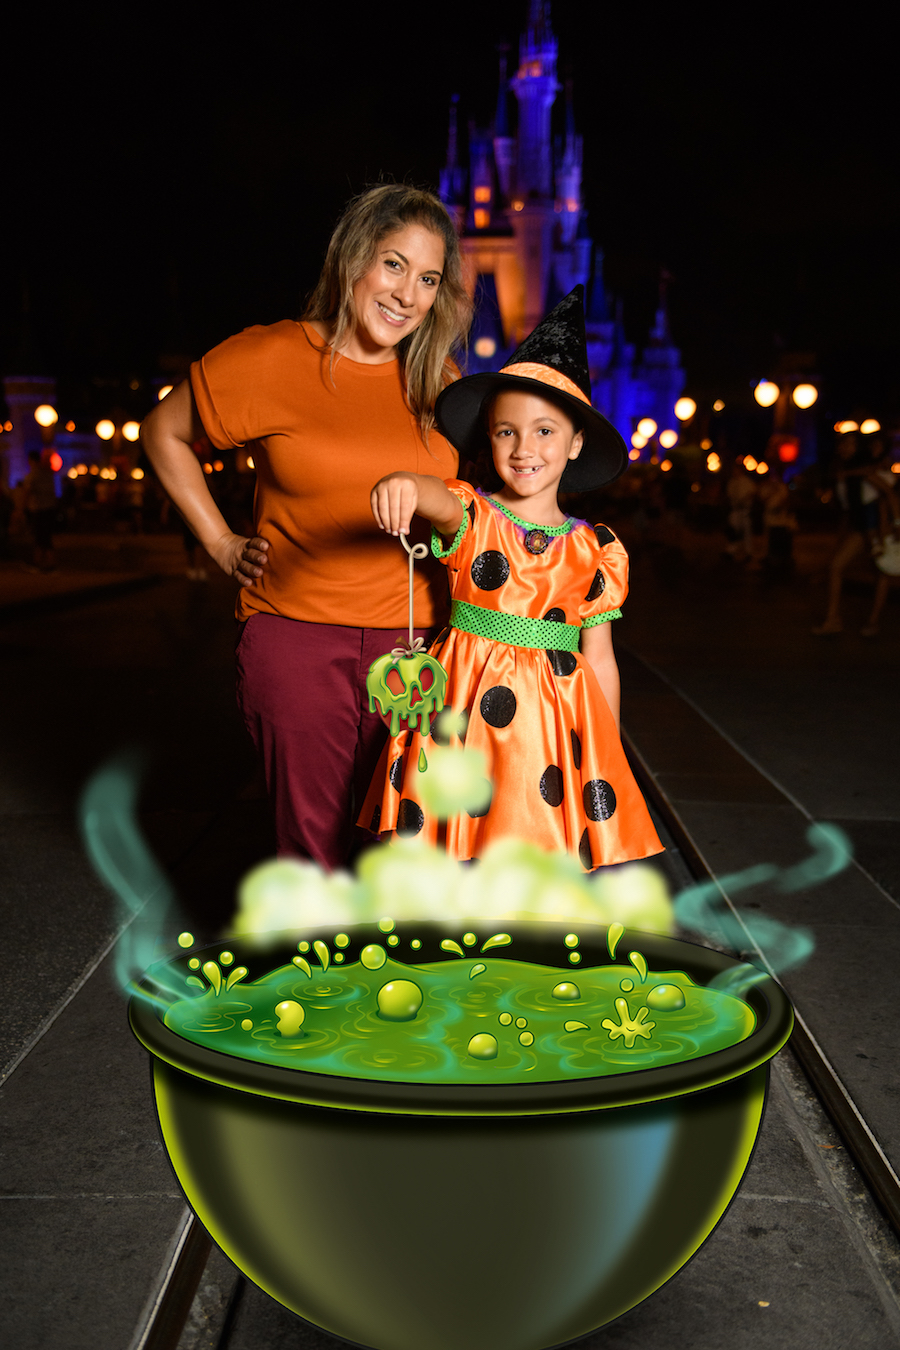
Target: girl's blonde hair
{"x": 425, "y": 355}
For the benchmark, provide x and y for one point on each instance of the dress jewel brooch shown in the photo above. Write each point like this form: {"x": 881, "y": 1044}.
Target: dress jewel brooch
{"x": 536, "y": 541}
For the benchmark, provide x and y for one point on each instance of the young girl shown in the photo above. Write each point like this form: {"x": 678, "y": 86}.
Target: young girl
{"x": 529, "y": 653}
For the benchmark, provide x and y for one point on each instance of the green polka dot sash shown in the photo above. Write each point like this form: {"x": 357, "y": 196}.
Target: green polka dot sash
{"x": 514, "y": 629}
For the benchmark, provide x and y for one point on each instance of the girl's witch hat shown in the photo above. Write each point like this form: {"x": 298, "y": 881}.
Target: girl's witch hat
{"x": 552, "y": 363}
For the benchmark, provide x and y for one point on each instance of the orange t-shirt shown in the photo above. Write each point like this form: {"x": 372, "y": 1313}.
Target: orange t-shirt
{"x": 321, "y": 438}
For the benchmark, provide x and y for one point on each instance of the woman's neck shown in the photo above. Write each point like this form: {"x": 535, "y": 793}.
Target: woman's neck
{"x": 353, "y": 347}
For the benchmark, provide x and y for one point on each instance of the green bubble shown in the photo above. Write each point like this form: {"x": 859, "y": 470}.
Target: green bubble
{"x": 338, "y": 957}
{"x": 526, "y": 1038}
{"x": 571, "y": 939}
{"x": 226, "y": 958}
{"x": 393, "y": 940}
{"x": 415, "y": 944}
{"x": 185, "y": 939}
{"x": 342, "y": 940}
{"x": 521, "y": 1021}
{"x": 290, "y": 1016}
{"x": 246, "y": 1025}
{"x": 626, "y": 986}
{"x": 302, "y": 946}
{"x": 373, "y": 956}
{"x": 567, "y": 991}
{"x": 665, "y": 998}
{"x": 386, "y": 925}
{"x": 505, "y": 1019}
{"x": 194, "y": 964}
{"x": 483, "y": 1046}
{"x": 574, "y": 958}
{"x": 469, "y": 939}
{"x": 399, "y": 1000}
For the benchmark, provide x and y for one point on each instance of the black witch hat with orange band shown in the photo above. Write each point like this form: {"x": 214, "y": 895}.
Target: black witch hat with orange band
{"x": 552, "y": 363}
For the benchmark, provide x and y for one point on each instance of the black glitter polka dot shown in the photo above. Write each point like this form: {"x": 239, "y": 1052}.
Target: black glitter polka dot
{"x": 490, "y": 569}
{"x": 599, "y": 800}
{"x": 555, "y": 615}
{"x": 598, "y": 586}
{"x": 604, "y": 536}
{"x": 410, "y": 818}
{"x": 584, "y": 852}
{"x": 498, "y": 706}
{"x": 576, "y": 748}
{"x": 376, "y": 818}
{"x": 396, "y": 773}
{"x": 552, "y": 785}
{"x": 562, "y": 663}
{"x": 482, "y": 810}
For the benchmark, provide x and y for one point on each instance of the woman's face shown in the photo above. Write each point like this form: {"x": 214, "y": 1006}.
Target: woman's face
{"x": 395, "y": 295}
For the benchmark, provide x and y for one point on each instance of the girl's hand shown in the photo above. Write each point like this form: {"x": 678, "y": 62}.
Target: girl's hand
{"x": 394, "y": 500}
{"x": 241, "y": 558}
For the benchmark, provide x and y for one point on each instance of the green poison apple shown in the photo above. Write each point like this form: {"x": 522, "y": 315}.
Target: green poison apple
{"x": 373, "y": 1014}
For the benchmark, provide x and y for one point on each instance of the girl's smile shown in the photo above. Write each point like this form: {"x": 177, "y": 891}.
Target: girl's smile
{"x": 532, "y": 441}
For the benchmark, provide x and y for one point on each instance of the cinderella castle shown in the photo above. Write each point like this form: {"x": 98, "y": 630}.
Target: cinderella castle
{"x": 523, "y": 231}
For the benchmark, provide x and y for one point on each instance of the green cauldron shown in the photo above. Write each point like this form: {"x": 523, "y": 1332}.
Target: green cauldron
{"x": 510, "y": 1216}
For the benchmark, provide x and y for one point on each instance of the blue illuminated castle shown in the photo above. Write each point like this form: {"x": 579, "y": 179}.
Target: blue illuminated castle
{"x": 523, "y": 232}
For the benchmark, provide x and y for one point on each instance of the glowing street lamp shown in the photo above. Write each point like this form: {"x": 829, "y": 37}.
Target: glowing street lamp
{"x": 805, "y": 395}
{"x": 668, "y": 438}
{"x": 638, "y": 441}
{"x": 869, "y": 425}
{"x": 105, "y": 429}
{"x": 165, "y": 389}
{"x": 646, "y": 428}
{"x": 684, "y": 409}
{"x": 766, "y": 393}
{"x": 45, "y": 416}
{"x": 131, "y": 431}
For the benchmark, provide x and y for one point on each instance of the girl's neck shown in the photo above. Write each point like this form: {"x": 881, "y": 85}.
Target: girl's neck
{"x": 542, "y": 509}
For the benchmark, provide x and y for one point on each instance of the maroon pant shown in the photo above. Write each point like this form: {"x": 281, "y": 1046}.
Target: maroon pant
{"x": 301, "y": 689}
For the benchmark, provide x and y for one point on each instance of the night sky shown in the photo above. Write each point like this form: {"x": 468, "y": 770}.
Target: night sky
{"x": 168, "y": 184}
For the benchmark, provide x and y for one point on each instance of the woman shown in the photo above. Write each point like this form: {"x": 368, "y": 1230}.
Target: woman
{"x": 329, "y": 403}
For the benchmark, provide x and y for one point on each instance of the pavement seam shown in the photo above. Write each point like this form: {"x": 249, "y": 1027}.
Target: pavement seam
{"x": 763, "y": 772}
{"x": 158, "y": 1292}
{"x": 888, "y": 1294}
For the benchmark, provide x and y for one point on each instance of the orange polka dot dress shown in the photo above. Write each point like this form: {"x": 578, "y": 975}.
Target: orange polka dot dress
{"x": 521, "y": 595}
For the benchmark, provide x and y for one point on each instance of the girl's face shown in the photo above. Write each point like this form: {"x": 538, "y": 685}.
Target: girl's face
{"x": 532, "y": 441}
{"x": 395, "y": 295}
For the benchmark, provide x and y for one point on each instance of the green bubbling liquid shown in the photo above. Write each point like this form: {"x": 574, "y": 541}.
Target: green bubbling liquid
{"x": 449, "y": 1022}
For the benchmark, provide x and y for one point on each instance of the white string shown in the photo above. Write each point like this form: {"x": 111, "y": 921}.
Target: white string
{"x": 417, "y": 551}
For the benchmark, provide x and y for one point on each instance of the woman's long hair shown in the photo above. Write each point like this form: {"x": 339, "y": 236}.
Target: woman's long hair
{"x": 426, "y": 354}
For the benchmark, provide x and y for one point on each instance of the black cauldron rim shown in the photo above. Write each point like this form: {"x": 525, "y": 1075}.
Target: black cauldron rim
{"x": 544, "y": 942}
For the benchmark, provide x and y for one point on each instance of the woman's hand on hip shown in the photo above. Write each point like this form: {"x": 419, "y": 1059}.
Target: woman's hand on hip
{"x": 394, "y": 500}
{"x": 241, "y": 558}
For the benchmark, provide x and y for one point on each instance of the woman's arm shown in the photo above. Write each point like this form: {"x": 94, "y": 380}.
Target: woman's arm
{"x": 398, "y": 497}
{"x": 597, "y": 650}
{"x": 168, "y": 434}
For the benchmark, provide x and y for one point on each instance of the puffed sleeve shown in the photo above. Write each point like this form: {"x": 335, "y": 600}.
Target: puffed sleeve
{"x": 459, "y": 548}
{"x": 232, "y": 386}
{"x": 609, "y": 584}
